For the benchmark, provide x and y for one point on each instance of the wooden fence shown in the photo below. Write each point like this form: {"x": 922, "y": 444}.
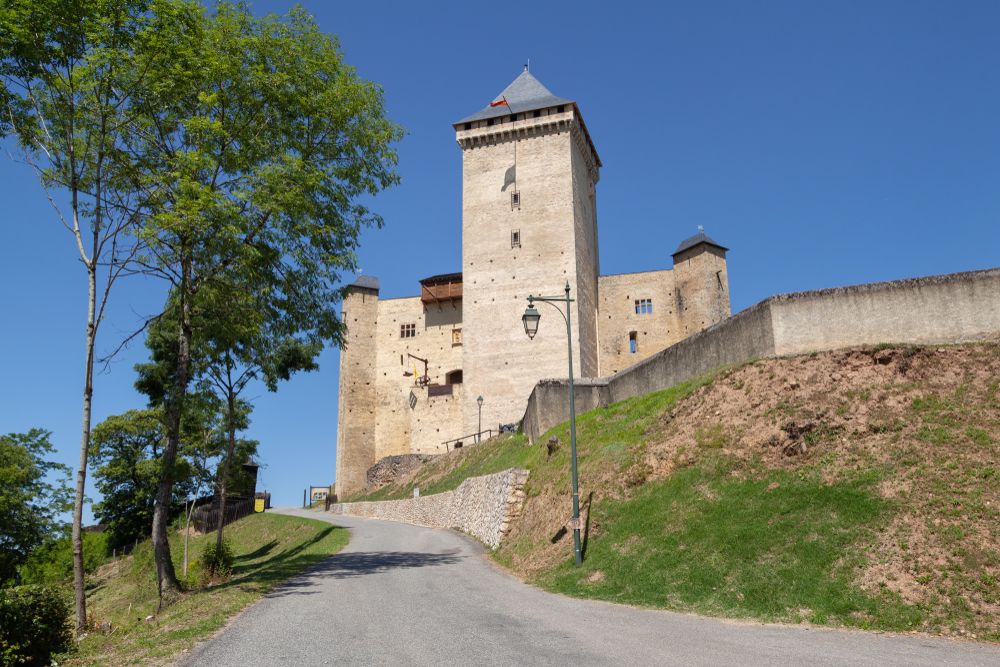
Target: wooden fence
{"x": 207, "y": 520}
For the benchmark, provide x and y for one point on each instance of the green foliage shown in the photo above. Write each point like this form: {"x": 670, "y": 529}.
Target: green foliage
{"x": 52, "y": 563}
{"x": 29, "y": 504}
{"x": 126, "y": 452}
{"x": 34, "y": 624}
{"x": 216, "y": 561}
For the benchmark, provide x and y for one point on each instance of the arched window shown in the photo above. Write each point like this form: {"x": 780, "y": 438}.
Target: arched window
{"x": 454, "y": 377}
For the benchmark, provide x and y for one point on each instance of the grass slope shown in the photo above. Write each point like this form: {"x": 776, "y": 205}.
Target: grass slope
{"x": 269, "y": 549}
{"x": 856, "y": 487}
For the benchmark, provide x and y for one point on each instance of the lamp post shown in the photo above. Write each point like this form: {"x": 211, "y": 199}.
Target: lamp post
{"x": 530, "y": 319}
{"x": 480, "y": 434}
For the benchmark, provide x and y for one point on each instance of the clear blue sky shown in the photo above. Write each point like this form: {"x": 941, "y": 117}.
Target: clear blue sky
{"x": 825, "y": 145}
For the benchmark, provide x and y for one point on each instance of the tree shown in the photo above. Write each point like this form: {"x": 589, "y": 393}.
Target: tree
{"x": 240, "y": 345}
{"x": 126, "y": 451}
{"x": 253, "y": 155}
{"x": 29, "y": 504}
{"x": 66, "y": 87}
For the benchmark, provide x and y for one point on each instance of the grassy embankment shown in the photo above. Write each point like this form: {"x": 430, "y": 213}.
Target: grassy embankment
{"x": 269, "y": 548}
{"x": 857, "y": 488}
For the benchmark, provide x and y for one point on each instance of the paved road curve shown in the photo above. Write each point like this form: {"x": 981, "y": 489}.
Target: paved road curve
{"x": 405, "y": 595}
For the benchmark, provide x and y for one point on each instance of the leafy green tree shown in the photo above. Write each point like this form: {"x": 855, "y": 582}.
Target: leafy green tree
{"x": 29, "y": 503}
{"x": 66, "y": 96}
{"x": 259, "y": 141}
{"x": 127, "y": 451}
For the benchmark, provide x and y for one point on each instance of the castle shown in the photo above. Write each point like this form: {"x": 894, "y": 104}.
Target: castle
{"x": 414, "y": 367}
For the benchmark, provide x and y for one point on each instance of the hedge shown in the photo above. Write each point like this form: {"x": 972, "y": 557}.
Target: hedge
{"x": 35, "y": 622}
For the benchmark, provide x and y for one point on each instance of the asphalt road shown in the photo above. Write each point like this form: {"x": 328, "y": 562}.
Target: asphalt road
{"x": 405, "y": 595}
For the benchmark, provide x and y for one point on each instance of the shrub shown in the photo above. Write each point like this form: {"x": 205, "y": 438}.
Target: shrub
{"x": 34, "y": 624}
{"x": 216, "y": 562}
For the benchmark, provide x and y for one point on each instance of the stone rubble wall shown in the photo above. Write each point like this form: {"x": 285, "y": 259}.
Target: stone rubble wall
{"x": 390, "y": 468}
{"x": 483, "y": 506}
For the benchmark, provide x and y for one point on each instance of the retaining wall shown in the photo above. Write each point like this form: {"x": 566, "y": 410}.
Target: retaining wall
{"x": 952, "y": 308}
{"x": 481, "y": 506}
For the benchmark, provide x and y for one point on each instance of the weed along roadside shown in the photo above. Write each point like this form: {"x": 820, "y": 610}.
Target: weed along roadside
{"x": 266, "y": 550}
{"x": 852, "y": 488}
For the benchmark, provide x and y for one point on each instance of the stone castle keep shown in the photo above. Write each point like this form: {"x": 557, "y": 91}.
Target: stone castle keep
{"x": 529, "y": 226}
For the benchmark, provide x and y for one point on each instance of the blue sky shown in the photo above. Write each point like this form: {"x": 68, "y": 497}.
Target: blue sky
{"x": 824, "y": 145}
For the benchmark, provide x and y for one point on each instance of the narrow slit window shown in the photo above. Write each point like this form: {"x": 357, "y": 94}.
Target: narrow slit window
{"x": 643, "y": 306}
{"x": 515, "y": 238}
{"x": 407, "y": 330}
{"x": 633, "y": 337}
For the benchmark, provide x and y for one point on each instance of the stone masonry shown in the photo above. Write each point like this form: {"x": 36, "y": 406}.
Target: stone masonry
{"x": 529, "y": 227}
{"x": 481, "y": 506}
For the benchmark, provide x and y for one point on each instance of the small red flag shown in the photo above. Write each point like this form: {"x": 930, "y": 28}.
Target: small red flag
{"x": 501, "y": 102}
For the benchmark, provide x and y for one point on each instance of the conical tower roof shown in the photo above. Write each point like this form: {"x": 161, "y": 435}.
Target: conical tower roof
{"x": 525, "y": 93}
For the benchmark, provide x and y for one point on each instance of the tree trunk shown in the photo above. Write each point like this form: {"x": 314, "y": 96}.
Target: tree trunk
{"x": 223, "y": 486}
{"x": 165, "y": 576}
{"x": 79, "y": 587}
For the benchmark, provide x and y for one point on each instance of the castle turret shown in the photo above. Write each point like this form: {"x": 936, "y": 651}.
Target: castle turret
{"x": 701, "y": 286}
{"x": 356, "y": 410}
{"x": 529, "y": 226}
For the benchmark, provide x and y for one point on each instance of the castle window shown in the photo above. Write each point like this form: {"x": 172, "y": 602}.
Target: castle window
{"x": 643, "y": 306}
{"x": 633, "y": 338}
{"x": 455, "y": 377}
{"x": 513, "y": 117}
{"x": 560, "y": 109}
{"x": 515, "y": 238}
{"x": 407, "y": 330}
{"x": 468, "y": 126}
{"x": 537, "y": 113}
{"x": 456, "y": 336}
{"x": 489, "y": 121}
{"x": 515, "y": 200}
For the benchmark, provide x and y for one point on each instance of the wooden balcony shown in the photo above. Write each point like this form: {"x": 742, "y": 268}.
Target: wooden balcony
{"x": 441, "y": 289}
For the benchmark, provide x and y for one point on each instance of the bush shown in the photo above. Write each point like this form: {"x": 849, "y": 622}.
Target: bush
{"x": 34, "y": 624}
{"x": 216, "y": 563}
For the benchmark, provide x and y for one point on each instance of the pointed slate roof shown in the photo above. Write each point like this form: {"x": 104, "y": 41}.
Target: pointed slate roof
{"x": 526, "y": 93}
{"x": 695, "y": 240}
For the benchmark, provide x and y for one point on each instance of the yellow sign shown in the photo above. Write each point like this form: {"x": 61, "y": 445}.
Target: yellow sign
{"x": 258, "y": 505}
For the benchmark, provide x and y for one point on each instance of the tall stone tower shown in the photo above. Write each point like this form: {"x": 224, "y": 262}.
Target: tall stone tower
{"x": 529, "y": 226}
{"x": 356, "y": 405}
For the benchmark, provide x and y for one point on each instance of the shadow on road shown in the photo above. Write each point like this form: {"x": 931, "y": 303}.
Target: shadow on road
{"x": 355, "y": 564}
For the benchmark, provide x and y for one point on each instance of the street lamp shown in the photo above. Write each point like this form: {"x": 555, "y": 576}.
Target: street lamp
{"x": 480, "y": 401}
{"x": 530, "y": 319}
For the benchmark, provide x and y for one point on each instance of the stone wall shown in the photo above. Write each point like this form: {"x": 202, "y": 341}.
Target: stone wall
{"x": 953, "y": 308}
{"x": 481, "y": 506}
{"x": 617, "y": 318}
{"x": 548, "y": 404}
{"x": 391, "y": 468}
{"x": 434, "y": 419}
{"x": 432, "y": 341}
